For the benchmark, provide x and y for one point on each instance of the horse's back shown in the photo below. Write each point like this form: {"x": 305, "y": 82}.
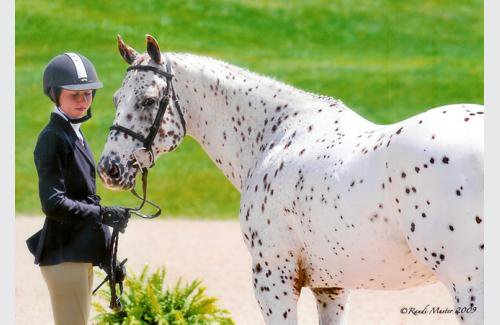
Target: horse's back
{"x": 444, "y": 128}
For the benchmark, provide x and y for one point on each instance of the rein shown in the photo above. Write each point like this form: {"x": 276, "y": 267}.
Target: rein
{"x": 144, "y": 199}
{"x": 113, "y": 276}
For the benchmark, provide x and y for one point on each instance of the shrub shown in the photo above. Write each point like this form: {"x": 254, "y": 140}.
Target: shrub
{"x": 147, "y": 300}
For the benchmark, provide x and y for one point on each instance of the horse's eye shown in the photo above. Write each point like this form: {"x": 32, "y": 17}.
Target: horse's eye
{"x": 148, "y": 102}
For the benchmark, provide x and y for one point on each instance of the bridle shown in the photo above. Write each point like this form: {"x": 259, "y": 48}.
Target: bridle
{"x": 144, "y": 158}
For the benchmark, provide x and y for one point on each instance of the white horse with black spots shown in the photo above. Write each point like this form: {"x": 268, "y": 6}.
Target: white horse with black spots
{"x": 329, "y": 200}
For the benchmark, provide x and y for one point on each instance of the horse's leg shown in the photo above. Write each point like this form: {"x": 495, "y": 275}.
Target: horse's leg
{"x": 456, "y": 257}
{"x": 468, "y": 297}
{"x": 332, "y": 305}
{"x": 278, "y": 265}
{"x": 277, "y": 288}
{"x": 452, "y": 246}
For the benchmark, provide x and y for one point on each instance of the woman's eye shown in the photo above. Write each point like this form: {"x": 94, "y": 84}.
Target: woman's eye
{"x": 148, "y": 102}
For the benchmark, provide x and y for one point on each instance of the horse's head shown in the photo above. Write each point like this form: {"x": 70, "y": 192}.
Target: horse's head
{"x": 144, "y": 126}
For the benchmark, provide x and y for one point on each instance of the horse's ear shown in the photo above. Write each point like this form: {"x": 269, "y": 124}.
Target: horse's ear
{"x": 128, "y": 53}
{"x": 153, "y": 49}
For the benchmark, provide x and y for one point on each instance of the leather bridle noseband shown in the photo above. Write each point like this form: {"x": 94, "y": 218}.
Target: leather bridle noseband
{"x": 143, "y": 165}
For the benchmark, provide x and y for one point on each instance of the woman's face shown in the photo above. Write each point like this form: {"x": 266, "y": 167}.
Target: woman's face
{"x": 75, "y": 103}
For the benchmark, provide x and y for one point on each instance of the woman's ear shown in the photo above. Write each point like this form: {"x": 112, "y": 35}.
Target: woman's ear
{"x": 127, "y": 53}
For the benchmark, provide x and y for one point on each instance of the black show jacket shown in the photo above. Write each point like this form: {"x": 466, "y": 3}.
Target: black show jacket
{"x": 72, "y": 231}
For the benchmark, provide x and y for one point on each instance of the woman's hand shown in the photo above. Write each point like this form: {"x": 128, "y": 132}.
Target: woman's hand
{"x": 116, "y": 217}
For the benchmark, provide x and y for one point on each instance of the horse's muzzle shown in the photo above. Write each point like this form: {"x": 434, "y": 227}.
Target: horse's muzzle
{"x": 115, "y": 175}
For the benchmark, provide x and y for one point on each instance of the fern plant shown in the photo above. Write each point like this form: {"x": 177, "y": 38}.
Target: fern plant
{"x": 147, "y": 300}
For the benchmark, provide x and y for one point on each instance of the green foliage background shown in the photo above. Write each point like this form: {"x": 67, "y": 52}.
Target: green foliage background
{"x": 387, "y": 60}
{"x": 147, "y": 299}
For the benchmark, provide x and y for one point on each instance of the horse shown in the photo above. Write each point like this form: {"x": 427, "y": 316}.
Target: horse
{"x": 329, "y": 200}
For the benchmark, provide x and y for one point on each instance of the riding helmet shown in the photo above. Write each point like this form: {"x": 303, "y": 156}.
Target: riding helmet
{"x": 70, "y": 71}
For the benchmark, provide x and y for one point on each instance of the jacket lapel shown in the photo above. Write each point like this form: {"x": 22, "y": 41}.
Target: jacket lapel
{"x": 86, "y": 151}
{"x": 66, "y": 126}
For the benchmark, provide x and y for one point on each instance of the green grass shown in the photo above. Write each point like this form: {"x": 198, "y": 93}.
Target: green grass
{"x": 387, "y": 60}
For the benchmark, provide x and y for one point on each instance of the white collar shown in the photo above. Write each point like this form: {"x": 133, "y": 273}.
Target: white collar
{"x": 58, "y": 111}
{"x": 75, "y": 126}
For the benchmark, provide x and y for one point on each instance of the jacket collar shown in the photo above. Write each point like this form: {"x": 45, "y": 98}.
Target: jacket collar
{"x": 59, "y": 121}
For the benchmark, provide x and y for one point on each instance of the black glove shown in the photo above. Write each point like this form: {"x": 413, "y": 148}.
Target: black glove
{"x": 116, "y": 217}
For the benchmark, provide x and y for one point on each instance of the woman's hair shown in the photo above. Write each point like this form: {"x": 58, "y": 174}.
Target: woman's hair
{"x": 55, "y": 92}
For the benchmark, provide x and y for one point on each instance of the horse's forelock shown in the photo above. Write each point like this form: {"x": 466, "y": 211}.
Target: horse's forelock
{"x": 140, "y": 59}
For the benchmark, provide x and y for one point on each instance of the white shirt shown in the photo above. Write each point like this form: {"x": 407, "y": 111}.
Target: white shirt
{"x": 76, "y": 126}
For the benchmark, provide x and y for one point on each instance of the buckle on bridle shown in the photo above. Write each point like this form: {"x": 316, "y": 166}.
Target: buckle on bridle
{"x": 143, "y": 158}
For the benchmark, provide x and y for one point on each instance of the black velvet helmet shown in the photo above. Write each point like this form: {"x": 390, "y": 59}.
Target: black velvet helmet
{"x": 70, "y": 71}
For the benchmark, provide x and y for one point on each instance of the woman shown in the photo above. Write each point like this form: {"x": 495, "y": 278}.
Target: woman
{"x": 74, "y": 237}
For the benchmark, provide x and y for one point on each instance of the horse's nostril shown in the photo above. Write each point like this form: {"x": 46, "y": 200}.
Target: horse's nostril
{"x": 114, "y": 171}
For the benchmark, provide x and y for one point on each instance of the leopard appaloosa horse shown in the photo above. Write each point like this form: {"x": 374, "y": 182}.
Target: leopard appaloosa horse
{"x": 329, "y": 200}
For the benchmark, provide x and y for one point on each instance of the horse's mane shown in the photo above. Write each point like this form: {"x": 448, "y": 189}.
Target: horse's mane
{"x": 250, "y": 75}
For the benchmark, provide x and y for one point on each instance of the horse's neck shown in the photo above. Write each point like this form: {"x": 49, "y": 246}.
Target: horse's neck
{"x": 234, "y": 114}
